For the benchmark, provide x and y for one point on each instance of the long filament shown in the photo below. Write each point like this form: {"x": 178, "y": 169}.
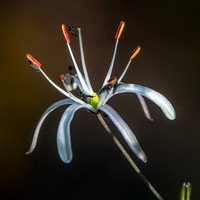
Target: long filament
{"x": 83, "y": 62}
{"x": 125, "y": 70}
{"x": 133, "y": 54}
{"x": 52, "y": 83}
{"x": 117, "y": 36}
{"x": 82, "y": 81}
{"x": 111, "y": 65}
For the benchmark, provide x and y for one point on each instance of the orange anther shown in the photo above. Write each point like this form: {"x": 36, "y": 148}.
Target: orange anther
{"x": 65, "y": 33}
{"x": 34, "y": 63}
{"x": 119, "y": 30}
{"x": 62, "y": 78}
{"x": 135, "y": 52}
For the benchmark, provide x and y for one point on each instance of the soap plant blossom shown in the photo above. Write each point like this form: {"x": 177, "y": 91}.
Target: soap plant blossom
{"x": 96, "y": 102}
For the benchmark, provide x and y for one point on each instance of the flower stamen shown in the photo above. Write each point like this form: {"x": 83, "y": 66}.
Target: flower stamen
{"x": 33, "y": 62}
{"x": 36, "y": 65}
{"x": 82, "y": 81}
{"x": 133, "y": 54}
{"x": 119, "y": 30}
{"x": 65, "y": 33}
{"x": 83, "y": 62}
{"x": 63, "y": 79}
{"x": 117, "y": 36}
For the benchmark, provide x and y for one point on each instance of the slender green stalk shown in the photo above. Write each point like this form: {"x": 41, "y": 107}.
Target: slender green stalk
{"x": 128, "y": 157}
{"x": 186, "y": 190}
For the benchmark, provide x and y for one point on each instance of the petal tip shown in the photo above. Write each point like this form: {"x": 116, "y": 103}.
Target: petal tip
{"x": 66, "y": 160}
{"x": 143, "y": 157}
{"x": 150, "y": 119}
{"x": 28, "y": 152}
{"x": 171, "y": 115}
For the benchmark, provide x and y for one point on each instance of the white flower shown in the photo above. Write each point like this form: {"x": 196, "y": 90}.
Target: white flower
{"x": 96, "y": 102}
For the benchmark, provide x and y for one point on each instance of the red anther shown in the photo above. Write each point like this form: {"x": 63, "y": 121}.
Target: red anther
{"x": 119, "y": 30}
{"x": 62, "y": 78}
{"x": 65, "y": 33}
{"x": 34, "y": 63}
{"x": 135, "y": 52}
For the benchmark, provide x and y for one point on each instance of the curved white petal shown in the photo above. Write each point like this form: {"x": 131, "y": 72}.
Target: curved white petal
{"x": 144, "y": 107}
{"x": 63, "y": 134}
{"x": 154, "y": 96}
{"x": 43, "y": 117}
{"x": 125, "y": 131}
{"x": 104, "y": 97}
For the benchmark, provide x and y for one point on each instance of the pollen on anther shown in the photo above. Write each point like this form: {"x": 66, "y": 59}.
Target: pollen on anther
{"x": 119, "y": 30}
{"x": 112, "y": 80}
{"x": 34, "y": 63}
{"x": 135, "y": 52}
{"x": 65, "y": 33}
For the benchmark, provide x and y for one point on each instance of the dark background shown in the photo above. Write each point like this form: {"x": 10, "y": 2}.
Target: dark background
{"x": 168, "y": 33}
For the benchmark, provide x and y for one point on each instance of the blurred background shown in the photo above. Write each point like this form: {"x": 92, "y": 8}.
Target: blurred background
{"x": 168, "y": 33}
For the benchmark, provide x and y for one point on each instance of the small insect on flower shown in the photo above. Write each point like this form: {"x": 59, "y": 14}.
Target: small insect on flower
{"x": 96, "y": 102}
{"x": 70, "y": 69}
{"x": 33, "y": 62}
{"x": 68, "y": 82}
{"x": 71, "y": 30}
{"x": 112, "y": 83}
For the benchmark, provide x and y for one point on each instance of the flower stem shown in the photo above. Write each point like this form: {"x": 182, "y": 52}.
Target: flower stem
{"x": 149, "y": 185}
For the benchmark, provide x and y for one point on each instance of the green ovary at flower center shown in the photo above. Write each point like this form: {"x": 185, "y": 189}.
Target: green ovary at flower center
{"x": 94, "y": 100}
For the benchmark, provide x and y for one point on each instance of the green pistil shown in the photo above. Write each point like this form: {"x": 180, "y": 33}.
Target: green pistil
{"x": 94, "y": 100}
